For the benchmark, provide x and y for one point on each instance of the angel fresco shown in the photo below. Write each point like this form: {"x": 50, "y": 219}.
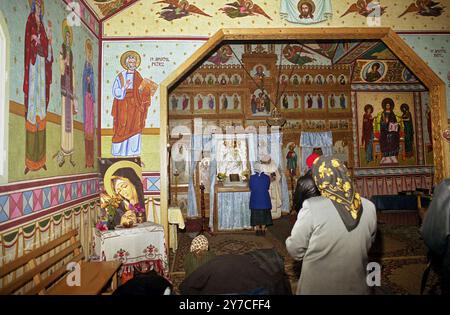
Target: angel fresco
{"x": 222, "y": 56}
{"x": 243, "y": 8}
{"x": 178, "y": 9}
{"x": 112, "y": 7}
{"x": 424, "y": 8}
{"x": 364, "y": 8}
{"x": 297, "y": 55}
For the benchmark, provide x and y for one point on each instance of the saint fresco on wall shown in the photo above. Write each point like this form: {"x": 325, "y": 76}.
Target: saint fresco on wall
{"x": 89, "y": 105}
{"x": 69, "y": 106}
{"x": 179, "y": 104}
{"x": 381, "y": 71}
{"x": 230, "y": 103}
{"x": 291, "y": 155}
{"x": 132, "y": 99}
{"x": 36, "y": 85}
{"x": 205, "y": 103}
{"x": 290, "y": 102}
{"x": 373, "y": 71}
{"x": 260, "y": 103}
{"x": 314, "y": 101}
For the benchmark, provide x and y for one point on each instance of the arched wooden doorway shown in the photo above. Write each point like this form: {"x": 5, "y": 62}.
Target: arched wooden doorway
{"x": 421, "y": 70}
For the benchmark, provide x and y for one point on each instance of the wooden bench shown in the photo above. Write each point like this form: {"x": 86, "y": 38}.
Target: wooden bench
{"x": 93, "y": 275}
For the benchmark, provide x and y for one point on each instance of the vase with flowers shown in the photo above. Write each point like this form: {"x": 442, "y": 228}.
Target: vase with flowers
{"x": 221, "y": 177}
{"x": 109, "y": 206}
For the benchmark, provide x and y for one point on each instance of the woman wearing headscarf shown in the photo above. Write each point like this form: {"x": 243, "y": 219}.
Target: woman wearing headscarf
{"x": 198, "y": 255}
{"x": 436, "y": 232}
{"x": 333, "y": 234}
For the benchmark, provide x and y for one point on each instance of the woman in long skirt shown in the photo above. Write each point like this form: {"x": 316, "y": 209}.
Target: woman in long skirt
{"x": 260, "y": 204}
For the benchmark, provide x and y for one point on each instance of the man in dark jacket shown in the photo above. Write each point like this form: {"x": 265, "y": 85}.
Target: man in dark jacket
{"x": 259, "y": 272}
{"x": 306, "y": 188}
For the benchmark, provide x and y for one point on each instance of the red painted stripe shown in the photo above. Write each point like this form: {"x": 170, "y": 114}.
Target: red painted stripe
{"x": 37, "y": 215}
{"x": 45, "y": 182}
{"x": 152, "y": 193}
{"x": 423, "y": 32}
{"x": 151, "y": 173}
{"x": 99, "y": 96}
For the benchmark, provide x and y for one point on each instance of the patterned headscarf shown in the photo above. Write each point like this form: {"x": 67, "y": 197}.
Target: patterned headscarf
{"x": 199, "y": 244}
{"x": 333, "y": 180}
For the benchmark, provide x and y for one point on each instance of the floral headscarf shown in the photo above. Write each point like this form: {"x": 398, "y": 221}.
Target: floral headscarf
{"x": 199, "y": 244}
{"x": 333, "y": 180}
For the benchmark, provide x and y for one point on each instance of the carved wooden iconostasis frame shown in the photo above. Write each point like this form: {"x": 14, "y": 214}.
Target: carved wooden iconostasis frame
{"x": 435, "y": 86}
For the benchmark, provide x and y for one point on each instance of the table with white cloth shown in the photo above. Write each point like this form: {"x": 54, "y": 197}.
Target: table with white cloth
{"x": 140, "y": 248}
{"x": 231, "y": 208}
{"x": 176, "y": 220}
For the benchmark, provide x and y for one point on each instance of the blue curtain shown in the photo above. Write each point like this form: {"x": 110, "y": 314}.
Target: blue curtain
{"x": 311, "y": 140}
{"x": 212, "y": 176}
{"x": 252, "y": 150}
{"x": 195, "y": 153}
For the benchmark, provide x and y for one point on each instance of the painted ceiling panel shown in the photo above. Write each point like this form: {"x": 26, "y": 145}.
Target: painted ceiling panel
{"x": 294, "y": 53}
{"x": 106, "y": 8}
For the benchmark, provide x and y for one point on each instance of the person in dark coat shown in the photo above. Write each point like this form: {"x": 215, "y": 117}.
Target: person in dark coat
{"x": 260, "y": 203}
{"x": 260, "y": 272}
{"x": 306, "y": 188}
{"x": 150, "y": 283}
{"x": 436, "y": 233}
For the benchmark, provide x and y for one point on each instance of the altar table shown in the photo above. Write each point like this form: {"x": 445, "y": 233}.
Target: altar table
{"x": 140, "y": 248}
{"x": 231, "y": 208}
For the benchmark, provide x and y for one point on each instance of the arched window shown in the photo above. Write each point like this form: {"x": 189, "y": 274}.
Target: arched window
{"x": 4, "y": 101}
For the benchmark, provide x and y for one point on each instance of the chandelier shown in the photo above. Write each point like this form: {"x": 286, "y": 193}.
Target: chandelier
{"x": 275, "y": 119}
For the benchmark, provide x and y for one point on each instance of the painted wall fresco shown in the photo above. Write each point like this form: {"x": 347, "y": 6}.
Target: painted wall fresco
{"x": 278, "y": 13}
{"x": 82, "y": 11}
{"x": 387, "y": 129}
{"x": 44, "y": 197}
{"x": 49, "y": 134}
{"x": 435, "y": 50}
{"x": 157, "y": 59}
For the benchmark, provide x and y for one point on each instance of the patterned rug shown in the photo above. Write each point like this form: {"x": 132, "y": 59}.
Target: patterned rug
{"x": 398, "y": 248}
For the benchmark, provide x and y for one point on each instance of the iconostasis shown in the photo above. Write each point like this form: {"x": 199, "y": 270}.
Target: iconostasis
{"x": 335, "y": 86}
